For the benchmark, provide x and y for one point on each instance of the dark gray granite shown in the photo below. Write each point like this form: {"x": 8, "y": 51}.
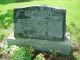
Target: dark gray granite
{"x": 42, "y": 28}
{"x": 39, "y": 22}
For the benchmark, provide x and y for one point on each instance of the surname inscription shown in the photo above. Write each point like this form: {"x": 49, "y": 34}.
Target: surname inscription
{"x": 42, "y": 24}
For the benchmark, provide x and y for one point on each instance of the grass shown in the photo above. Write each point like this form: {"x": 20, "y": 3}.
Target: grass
{"x": 77, "y": 55}
{"x": 72, "y": 7}
{"x": 72, "y": 15}
{"x": 6, "y": 1}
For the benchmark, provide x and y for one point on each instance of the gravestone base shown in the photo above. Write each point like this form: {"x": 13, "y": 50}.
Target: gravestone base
{"x": 61, "y": 47}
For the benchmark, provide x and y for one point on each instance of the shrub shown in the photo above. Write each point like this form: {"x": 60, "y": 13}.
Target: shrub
{"x": 40, "y": 57}
{"x": 21, "y": 53}
{"x": 6, "y": 18}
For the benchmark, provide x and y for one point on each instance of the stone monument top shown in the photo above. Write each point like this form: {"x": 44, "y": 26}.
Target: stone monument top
{"x": 39, "y": 22}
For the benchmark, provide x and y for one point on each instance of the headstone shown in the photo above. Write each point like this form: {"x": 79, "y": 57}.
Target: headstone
{"x": 39, "y": 23}
{"x": 42, "y": 28}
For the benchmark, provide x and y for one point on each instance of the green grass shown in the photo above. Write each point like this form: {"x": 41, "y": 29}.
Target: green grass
{"x": 6, "y": 1}
{"x": 72, "y": 16}
{"x": 72, "y": 7}
{"x": 78, "y": 57}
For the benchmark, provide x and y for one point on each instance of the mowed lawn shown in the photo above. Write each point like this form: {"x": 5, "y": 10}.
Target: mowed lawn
{"x": 72, "y": 13}
{"x": 72, "y": 10}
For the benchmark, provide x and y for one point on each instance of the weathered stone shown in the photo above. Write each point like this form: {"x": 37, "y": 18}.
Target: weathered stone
{"x": 61, "y": 47}
{"x": 42, "y": 28}
{"x": 39, "y": 22}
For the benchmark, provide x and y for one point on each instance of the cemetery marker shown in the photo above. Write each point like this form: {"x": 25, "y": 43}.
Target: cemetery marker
{"x": 42, "y": 28}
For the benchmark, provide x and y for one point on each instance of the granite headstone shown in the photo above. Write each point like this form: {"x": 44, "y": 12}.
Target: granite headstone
{"x": 41, "y": 27}
{"x": 39, "y": 23}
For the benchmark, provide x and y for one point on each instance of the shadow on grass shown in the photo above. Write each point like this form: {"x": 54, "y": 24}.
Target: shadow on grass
{"x": 6, "y": 1}
{"x": 12, "y": 1}
{"x": 23, "y": 0}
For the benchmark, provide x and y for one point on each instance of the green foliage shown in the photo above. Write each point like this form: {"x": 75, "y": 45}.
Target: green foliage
{"x": 3, "y": 34}
{"x": 3, "y": 48}
{"x": 21, "y": 53}
{"x": 40, "y": 57}
{"x": 6, "y": 18}
{"x": 78, "y": 57}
